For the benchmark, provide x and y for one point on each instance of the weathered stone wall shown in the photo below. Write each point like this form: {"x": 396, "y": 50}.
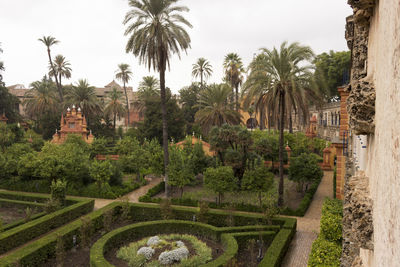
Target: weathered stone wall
{"x": 383, "y": 165}
{"x": 373, "y": 34}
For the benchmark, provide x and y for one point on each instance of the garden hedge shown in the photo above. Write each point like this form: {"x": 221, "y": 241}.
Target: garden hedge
{"x": 230, "y": 241}
{"x": 21, "y": 234}
{"x": 38, "y": 252}
{"x": 300, "y": 211}
{"x": 326, "y": 249}
{"x": 21, "y": 204}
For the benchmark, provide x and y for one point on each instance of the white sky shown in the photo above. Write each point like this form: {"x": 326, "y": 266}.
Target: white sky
{"x": 91, "y": 35}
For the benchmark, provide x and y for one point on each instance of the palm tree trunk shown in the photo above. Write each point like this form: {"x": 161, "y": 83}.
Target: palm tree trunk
{"x": 262, "y": 119}
{"x": 115, "y": 119}
{"x": 281, "y": 127}
{"x": 201, "y": 80}
{"x": 55, "y": 75}
{"x": 164, "y": 123}
{"x": 237, "y": 97}
{"x": 127, "y": 104}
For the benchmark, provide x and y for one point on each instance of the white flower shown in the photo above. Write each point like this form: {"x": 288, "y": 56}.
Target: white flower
{"x": 180, "y": 244}
{"x": 176, "y": 255}
{"x": 146, "y": 251}
{"x": 154, "y": 240}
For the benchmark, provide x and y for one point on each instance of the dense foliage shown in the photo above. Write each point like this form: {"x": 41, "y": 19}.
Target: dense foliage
{"x": 305, "y": 169}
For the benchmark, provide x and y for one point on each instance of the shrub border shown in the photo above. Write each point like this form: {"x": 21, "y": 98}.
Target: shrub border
{"x": 38, "y": 252}
{"x": 21, "y": 234}
{"x": 143, "y": 229}
{"x": 300, "y": 211}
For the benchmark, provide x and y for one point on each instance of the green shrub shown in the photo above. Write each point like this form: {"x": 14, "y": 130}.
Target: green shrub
{"x": 220, "y": 180}
{"x": 333, "y": 206}
{"x": 57, "y": 189}
{"x": 324, "y": 253}
{"x": 304, "y": 169}
{"x": 331, "y": 227}
{"x": 85, "y": 232}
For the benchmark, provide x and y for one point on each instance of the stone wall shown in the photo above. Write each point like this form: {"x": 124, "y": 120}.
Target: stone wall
{"x": 372, "y": 207}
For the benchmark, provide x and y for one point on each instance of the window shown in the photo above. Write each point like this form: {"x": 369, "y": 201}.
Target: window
{"x": 71, "y": 125}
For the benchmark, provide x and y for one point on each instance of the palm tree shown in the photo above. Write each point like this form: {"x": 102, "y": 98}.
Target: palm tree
{"x": 290, "y": 85}
{"x": 48, "y": 42}
{"x": 157, "y": 32}
{"x": 84, "y": 95}
{"x": 124, "y": 74}
{"x": 215, "y": 108}
{"x": 233, "y": 74}
{"x": 41, "y": 99}
{"x": 114, "y": 106}
{"x": 62, "y": 68}
{"x": 202, "y": 68}
{"x": 257, "y": 91}
{"x": 148, "y": 88}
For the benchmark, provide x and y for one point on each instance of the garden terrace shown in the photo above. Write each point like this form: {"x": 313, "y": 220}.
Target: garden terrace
{"x": 246, "y": 226}
{"x": 21, "y": 232}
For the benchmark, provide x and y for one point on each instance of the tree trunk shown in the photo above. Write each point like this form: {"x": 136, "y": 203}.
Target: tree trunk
{"x": 237, "y": 97}
{"x": 127, "y": 104}
{"x": 181, "y": 192}
{"x": 55, "y": 76}
{"x": 281, "y": 128}
{"x": 115, "y": 120}
{"x": 201, "y": 80}
{"x": 164, "y": 122}
{"x": 290, "y": 124}
{"x": 259, "y": 198}
{"x": 262, "y": 119}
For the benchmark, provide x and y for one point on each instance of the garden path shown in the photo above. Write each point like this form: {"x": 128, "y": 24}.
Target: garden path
{"x": 132, "y": 196}
{"x": 308, "y": 226}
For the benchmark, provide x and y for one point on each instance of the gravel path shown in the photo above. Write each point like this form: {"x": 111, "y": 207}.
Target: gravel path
{"x": 308, "y": 226}
{"x": 132, "y": 196}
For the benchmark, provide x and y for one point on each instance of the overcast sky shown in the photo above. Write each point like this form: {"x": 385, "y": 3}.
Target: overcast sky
{"x": 91, "y": 35}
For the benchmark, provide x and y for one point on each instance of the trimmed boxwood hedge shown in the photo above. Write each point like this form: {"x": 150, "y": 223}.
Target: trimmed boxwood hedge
{"x": 41, "y": 250}
{"x": 326, "y": 249}
{"x": 300, "y": 211}
{"x": 20, "y": 204}
{"x": 230, "y": 241}
{"x": 38, "y": 252}
{"x": 23, "y": 233}
{"x": 22, "y": 221}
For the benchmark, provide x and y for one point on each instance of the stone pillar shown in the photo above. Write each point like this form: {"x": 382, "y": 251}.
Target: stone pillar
{"x": 340, "y": 157}
{"x": 326, "y": 163}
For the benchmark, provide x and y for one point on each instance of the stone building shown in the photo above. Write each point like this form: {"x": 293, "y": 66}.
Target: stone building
{"x": 371, "y": 223}
{"x": 73, "y": 123}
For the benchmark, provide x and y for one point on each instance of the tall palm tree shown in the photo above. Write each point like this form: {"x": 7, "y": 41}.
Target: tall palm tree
{"x": 290, "y": 85}
{"x": 84, "y": 95}
{"x": 48, "y": 41}
{"x": 124, "y": 74}
{"x": 41, "y": 99}
{"x": 215, "y": 108}
{"x": 114, "y": 106}
{"x": 157, "y": 31}
{"x": 203, "y": 69}
{"x": 233, "y": 74}
{"x": 257, "y": 91}
{"x": 62, "y": 68}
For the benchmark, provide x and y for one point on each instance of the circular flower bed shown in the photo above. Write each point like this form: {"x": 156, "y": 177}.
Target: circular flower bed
{"x": 164, "y": 250}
